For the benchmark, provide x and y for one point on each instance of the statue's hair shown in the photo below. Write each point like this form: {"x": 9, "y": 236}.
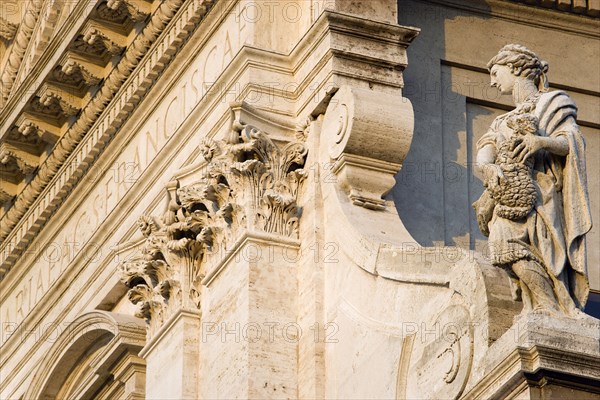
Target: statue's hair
{"x": 522, "y": 61}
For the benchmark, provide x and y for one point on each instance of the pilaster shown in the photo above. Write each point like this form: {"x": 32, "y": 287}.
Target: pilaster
{"x": 172, "y": 358}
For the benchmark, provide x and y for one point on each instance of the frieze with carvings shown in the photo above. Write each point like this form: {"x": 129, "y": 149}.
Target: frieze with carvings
{"x": 248, "y": 183}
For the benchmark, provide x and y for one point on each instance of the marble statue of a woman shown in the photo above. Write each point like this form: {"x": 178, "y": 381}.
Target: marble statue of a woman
{"x": 537, "y": 231}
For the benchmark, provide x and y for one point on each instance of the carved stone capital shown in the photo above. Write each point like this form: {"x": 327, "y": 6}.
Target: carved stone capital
{"x": 247, "y": 182}
{"x": 367, "y": 136}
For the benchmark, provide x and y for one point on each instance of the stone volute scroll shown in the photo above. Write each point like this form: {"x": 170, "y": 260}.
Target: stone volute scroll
{"x": 535, "y": 207}
{"x": 369, "y": 135}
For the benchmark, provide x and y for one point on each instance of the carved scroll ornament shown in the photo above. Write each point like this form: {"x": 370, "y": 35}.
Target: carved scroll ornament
{"x": 368, "y": 134}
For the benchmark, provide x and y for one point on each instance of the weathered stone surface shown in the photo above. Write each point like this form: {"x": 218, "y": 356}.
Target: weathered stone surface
{"x": 201, "y": 202}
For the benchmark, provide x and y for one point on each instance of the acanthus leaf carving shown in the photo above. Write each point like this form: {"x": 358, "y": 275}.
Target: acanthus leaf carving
{"x": 75, "y": 69}
{"x": 33, "y": 126}
{"x": 57, "y": 99}
{"x": 8, "y": 30}
{"x": 87, "y": 76}
{"x": 138, "y": 11}
{"x": 248, "y": 183}
{"x": 13, "y": 155}
{"x": 95, "y": 37}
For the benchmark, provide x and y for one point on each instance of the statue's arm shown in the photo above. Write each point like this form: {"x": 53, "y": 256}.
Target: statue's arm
{"x": 484, "y": 207}
{"x": 486, "y": 156}
{"x": 556, "y": 143}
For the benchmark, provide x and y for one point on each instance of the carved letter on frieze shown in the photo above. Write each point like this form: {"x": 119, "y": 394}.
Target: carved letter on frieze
{"x": 536, "y": 224}
{"x": 248, "y": 183}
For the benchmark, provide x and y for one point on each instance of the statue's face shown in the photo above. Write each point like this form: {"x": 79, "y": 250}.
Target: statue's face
{"x": 502, "y": 78}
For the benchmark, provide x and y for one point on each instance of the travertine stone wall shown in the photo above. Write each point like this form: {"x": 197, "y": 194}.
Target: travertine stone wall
{"x": 238, "y": 195}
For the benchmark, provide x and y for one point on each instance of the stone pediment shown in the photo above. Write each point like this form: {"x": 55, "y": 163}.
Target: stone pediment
{"x": 68, "y": 130}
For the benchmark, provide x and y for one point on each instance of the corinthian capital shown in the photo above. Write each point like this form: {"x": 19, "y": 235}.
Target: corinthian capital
{"x": 247, "y": 183}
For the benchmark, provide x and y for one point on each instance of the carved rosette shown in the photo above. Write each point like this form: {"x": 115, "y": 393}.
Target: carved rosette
{"x": 248, "y": 183}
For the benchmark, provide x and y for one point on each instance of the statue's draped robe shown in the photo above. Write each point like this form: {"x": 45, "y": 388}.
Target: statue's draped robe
{"x": 555, "y": 229}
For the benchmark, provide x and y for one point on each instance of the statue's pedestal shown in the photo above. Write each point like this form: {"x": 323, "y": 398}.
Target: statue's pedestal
{"x": 542, "y": 357}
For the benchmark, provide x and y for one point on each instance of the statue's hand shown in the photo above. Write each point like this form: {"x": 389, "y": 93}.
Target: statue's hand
{"x": 493, "y": 175}
{"x": 484, "y": 210}
{"x": 525, "y": 147}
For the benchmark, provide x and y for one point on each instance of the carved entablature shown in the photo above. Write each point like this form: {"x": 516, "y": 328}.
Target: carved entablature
{"x": 247, "y": 183}
{"x": 34, "y": 114}
{"x": 61, "y": 106}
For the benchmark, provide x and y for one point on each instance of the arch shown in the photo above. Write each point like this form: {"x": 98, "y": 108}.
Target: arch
{"x": 83, "y": 358}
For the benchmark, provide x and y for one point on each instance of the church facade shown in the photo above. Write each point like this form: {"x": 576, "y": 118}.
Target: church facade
{"x": 273, "y": 199}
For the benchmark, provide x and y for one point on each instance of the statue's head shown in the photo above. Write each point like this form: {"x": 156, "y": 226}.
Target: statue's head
{"x": 515, "y": 61}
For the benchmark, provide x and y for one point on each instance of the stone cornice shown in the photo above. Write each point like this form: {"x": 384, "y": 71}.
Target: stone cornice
{"x": 590, "y": 8}
{"x": 17, "y": 50}
{"x": 115, "y": 115}
{"x": 326, "y": 27}
{"x": 510, "y": 374}
{"x": 530, "y": 15}
{"x": 317, "y": 44}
